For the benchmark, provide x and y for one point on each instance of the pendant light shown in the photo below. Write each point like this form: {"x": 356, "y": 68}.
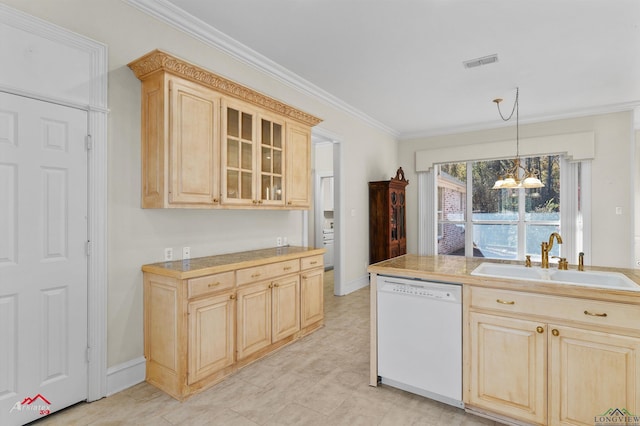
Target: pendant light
{"x": 511, "y": 177}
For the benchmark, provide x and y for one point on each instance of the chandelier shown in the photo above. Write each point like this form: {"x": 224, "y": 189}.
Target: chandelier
{"x": 511, "y": 177}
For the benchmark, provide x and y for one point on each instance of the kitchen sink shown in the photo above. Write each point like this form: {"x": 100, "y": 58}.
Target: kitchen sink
{"x": 610, "y": 280}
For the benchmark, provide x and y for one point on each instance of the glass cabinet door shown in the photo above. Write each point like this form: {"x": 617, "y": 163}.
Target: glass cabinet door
{"x": 271, "y": 161}
{"x": 238, "y": 154}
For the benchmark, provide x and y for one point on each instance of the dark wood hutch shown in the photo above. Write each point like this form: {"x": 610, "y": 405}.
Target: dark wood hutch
{"x": 387, "y": 218}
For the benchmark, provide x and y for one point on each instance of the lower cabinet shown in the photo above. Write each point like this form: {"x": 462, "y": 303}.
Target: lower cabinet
{"x": 312, "y": 296}
{"x": 211, "y": 335}
{"x": 546, "y": 368}
{"x": 267, "y": 312}
{"x": 508, "y": 367}
{"x": 591, "y": 372}
{"x": 200, "y": 329}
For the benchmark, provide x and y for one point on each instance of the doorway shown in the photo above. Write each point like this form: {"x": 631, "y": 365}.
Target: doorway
{"x": 326, "y": 228}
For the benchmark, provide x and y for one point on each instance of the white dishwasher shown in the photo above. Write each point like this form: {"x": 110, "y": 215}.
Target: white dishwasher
{"x": 420, "y": 337}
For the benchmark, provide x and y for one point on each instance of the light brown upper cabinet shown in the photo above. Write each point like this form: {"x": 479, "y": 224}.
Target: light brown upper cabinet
{"x": 298, "y": 166}
{"x": 208, "y": 142}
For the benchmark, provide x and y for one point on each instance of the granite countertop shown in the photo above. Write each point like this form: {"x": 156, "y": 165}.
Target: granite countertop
{"x": 200, "y": 266}
{"x": 458, "y": 269}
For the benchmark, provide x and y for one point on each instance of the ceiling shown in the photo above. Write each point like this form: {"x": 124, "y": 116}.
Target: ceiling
{"x": 399, "y": 63}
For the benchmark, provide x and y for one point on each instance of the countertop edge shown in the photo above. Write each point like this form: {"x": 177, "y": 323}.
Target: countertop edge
{"x": 166, "y": 269}
{"x": 462, "y": 276}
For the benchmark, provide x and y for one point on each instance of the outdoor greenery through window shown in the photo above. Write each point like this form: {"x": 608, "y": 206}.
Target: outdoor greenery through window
{"x": 476, "y": 220}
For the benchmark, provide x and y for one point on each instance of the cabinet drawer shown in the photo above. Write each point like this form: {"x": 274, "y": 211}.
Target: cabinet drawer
{"x": 265, "y": 272}
{"x": 210, "y": 284}
{"x": 608, "y": 314}
{"x": 311, "y": 262}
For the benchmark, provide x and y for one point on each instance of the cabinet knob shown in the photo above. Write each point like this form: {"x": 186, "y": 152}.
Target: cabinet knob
{"x": 232, "y": 297}
{"x": 276, "y": 285}
{"x": 540, "y": 329}
{"x": 215, "y": 200}
{"x": 555, "y": 332}
{"x": 289, "y": 203}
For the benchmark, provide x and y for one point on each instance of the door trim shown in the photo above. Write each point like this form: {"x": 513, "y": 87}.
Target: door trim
{"x": 96, "y": 107}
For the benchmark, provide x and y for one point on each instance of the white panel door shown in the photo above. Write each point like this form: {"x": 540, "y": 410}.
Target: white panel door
{"x": 43, "y": 261}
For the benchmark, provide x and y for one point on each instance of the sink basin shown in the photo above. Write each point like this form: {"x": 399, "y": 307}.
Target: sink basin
{"x": 595, "y": 279}
{"x": 610, "y": 280}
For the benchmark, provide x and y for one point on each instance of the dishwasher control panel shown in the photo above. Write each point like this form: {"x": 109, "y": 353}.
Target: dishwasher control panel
{"x": 445, "y": 292}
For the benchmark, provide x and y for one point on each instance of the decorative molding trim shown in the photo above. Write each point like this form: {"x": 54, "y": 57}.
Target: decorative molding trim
{"x": 177, "y": 18}
{"x": 125, "y": 375}
{"x": 157, "y": 60}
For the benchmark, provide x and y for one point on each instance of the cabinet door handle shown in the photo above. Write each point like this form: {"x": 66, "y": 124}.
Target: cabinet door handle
{"x": 215, "y": 200}
{"x": 313, "y": 262}
{"x": 595, "y": 314}
{"x": 555, "y": 332}
{"x": 211, "y": 285}
{"x": 232, "y": 297}
{"x": 276, "y": 285}
{"x": 289, "y": 203}
{"x": 506, "y": 302}
{"x": 304, "y": 277}
{"x": 540, "y": 329}
{"x": 287, "y": 268}
{"x": 256, "y": 275}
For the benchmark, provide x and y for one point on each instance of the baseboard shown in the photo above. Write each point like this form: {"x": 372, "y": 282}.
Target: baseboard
{"x": 125, "y": 375}
{"x": 354, "y": 285}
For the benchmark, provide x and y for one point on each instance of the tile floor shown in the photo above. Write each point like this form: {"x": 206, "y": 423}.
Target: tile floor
{"x": 320, "y": 380}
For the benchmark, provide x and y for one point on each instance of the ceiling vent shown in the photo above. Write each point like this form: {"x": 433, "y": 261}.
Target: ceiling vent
{"x": 485, "y": 60}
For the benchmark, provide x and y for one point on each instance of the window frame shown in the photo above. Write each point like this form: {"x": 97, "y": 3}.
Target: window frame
{"x": 575, "y": 219}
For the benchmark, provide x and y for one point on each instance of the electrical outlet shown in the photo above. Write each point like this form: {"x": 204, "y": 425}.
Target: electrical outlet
{"x": 186, "y": 253}
{"x": 168, "y": 253}
{"x": 279, "y": 242}
{"x": 285, "y": 241}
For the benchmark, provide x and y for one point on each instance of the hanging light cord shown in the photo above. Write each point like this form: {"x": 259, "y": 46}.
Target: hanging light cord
{"x": 516, "y": 109}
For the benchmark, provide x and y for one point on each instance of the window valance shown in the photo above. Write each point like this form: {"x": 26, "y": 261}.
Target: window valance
{"x": 575, "y": 147}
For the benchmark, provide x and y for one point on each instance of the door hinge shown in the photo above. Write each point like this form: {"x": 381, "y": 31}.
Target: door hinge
{"x": 88, "y": 248}
{"x": 88, "y": 354}
{"x": 88, "y": 143}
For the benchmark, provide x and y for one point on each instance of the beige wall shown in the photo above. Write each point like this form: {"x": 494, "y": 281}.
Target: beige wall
{"x": 613, "y": 174}
{"x": 138, "y": 236}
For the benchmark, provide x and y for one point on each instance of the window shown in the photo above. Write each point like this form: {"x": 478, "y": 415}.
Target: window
{"x": 475, "y": 220}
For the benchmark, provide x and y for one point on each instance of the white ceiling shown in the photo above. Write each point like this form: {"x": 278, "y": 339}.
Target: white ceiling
{"x": 399, "y": 62}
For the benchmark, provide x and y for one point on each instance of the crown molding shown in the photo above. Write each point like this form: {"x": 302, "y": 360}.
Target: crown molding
{"x": 158, "y": 60}
{"x": 168, "y": 13}
{"x": 584, "y": 112}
